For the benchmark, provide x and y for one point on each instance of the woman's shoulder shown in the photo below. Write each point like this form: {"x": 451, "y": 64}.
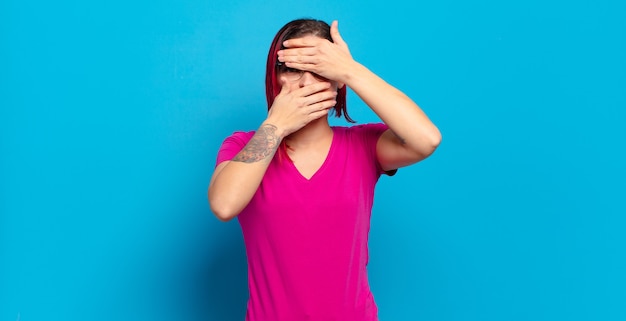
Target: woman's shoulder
{"x": 233, "y": 144}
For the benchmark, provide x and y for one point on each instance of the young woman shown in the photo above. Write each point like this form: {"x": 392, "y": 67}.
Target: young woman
{"x": 303, "y": 190}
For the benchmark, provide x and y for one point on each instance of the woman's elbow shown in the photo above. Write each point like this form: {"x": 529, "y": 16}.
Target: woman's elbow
{"x": 435, "y": 139}
{"x": 221, "y": 209}
{"x": 222, "y": 213}
{"x": 430, "y": 144}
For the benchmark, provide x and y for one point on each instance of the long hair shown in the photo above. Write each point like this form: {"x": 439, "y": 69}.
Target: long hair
{"x": 295, "y": 29}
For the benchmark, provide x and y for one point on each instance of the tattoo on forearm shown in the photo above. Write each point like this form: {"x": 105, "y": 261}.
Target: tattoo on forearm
{"x": 261, "y": 146}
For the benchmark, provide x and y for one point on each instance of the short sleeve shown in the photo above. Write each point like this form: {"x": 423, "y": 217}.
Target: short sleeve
{"x": 232, "y": 145}
{"x": 370, "y": 133}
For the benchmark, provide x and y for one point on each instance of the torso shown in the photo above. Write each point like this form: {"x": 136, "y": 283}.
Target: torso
{"x": 309, "y": 160}
{"x": 306, "y": 230}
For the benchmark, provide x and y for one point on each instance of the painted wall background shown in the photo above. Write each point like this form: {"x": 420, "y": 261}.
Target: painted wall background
{"x": 111, "y": 114}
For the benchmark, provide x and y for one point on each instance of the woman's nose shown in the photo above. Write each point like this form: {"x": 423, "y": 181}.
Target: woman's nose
{"x": 307, "y": 79}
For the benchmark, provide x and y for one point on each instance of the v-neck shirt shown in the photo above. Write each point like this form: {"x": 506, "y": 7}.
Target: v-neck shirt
{"x": 306, "y": 239}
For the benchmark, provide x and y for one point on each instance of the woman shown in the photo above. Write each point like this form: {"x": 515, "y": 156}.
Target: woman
{"x": 303, "y": 190}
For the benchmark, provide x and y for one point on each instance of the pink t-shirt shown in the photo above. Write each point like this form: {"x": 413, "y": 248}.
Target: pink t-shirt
{"x": 306, "y": 240}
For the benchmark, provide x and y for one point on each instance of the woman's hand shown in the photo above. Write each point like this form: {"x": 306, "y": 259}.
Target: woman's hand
{"x": 331, "y": 60}
{"x": 296, "y": 106}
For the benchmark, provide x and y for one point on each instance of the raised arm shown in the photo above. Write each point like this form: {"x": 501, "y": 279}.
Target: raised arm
{"x": 412, "y": 136}
{"x": 234, "y": 182}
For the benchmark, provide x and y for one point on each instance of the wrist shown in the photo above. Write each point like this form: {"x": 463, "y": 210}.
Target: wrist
{"x": 278, "y": 131}
{"x": 354, "y": 73}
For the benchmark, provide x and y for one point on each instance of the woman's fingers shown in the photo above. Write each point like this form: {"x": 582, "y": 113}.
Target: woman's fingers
{"x": 285, "y": 87}
{"x": 314, "y": 97}
{"x": 334, "y": 33}
{"x": 290, "y": 57}
{"x": 292, "y": 110}
{"x": 330, "y": 60}
{"x": 322, "y": 97}
{"x": 307, "y": 96}
{"x": 311, "y": 89}
{"x": 297, "y": 51}
{"x": 319, "y": 113}
{"x": 306, "y": 41}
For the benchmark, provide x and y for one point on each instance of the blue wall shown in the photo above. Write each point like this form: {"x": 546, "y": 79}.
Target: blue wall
{"x": 111, "y": 114}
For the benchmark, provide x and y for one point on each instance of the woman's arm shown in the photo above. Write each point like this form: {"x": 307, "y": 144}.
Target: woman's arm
{"x": 234, "y": 182}
{"x": 412, "y": 136}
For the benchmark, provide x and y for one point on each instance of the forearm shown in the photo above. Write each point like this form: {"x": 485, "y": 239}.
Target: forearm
{"x": 234, "y": 184}
{"x": 403, "y": 116}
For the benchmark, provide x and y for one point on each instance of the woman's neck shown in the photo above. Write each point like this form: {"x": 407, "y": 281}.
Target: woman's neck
{"x": 315, "y": 132}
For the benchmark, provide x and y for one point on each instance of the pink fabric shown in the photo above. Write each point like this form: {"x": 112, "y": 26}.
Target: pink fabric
{"x": 306, "y": 240}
